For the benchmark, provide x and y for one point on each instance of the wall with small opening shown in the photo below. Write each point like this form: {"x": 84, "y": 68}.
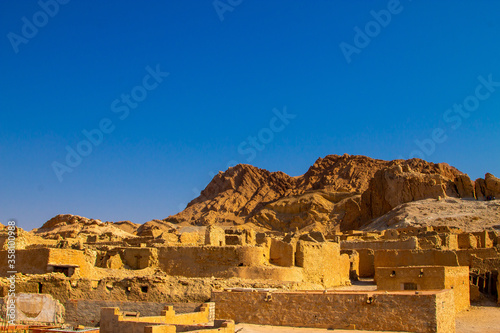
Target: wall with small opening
{"x": 431, "y": 311}
{"x": 427, "y": 278}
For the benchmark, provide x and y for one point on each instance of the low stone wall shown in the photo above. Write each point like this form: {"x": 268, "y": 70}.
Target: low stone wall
{"x": 88, "y": 312}
{"x": 427, "y": 311}
{"x": 115, "y": 321}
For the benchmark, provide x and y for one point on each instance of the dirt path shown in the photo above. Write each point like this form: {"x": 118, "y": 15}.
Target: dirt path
{"x": 483, "y": 319}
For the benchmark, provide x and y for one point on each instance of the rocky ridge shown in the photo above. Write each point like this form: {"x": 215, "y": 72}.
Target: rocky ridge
{"x": 336, "y": 193}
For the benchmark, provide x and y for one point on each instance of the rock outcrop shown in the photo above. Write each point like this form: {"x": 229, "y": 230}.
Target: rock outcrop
{"x": 406, "y": 181}
{"x": 487, "y": 188}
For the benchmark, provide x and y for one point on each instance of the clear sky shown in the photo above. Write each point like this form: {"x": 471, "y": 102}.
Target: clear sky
{"x": 124, "y": 110}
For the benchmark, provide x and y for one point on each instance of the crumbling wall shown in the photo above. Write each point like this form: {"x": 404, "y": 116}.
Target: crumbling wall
{"x": 449, "y": 241}
{"x": 428, "y": 311}
{"x": 353, "y": 263}
{"x": 139, "y": 258}
{"x": 467, "y": 241}
{"x": 282, "y": 253}
{"x": 483, "y": 239}
{"x": 215, "y": 236}
{"x": 114, "y": 321}
{"x": 38, "y": 308}
{"x": 322, "y": 263}
{"x": 366, "y": 262}
{"x": 430, "y": 242}
{"x": 191, "y": 238}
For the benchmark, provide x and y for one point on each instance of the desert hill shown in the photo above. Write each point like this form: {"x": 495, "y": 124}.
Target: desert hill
{"x": 70, "y": 226}
{"x": 337, "y": 193}
{"x": 468, "y": 215}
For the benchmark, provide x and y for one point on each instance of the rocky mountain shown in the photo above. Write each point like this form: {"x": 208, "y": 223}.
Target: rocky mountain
{"x": 336, "y": 193}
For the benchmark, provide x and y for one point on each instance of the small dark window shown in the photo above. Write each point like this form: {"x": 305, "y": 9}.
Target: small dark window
{"x": 144, "y": 289}
{"x": 64, "y": 270}
{"x": 409, "y": 286}
{"x": 40, "y": 288}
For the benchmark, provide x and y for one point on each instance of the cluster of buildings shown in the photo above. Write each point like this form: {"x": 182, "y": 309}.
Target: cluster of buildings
{"x": 423, "y": 276}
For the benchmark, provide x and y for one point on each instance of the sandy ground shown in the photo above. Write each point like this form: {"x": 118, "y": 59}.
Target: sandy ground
{"x": 483, "y": 319}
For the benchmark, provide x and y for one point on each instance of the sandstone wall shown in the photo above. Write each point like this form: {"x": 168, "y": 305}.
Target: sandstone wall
{"x": 206, "y": 261}
{"x": 427, "y": 278}
{"x": 457, "y": 278}
{"x": 37, "y": 261}
{"x": 70, "y": 257}
{"x": 483, "y": 239}
{"x": 215, "y": 236}
{"x": 467, "y": 241}
{"x": 366, "y": 262}
{"x": 282, "y": 253}
{"x": 27, "y": 261}
{"x": 322, "y": 263}
{"x": 429, "y": 311}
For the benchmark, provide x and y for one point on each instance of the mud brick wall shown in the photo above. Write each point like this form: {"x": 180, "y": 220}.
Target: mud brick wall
{"x": 427, "y": 311}
{"x": 428, "y": 278}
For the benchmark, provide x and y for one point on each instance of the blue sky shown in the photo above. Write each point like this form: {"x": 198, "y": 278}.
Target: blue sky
{"x": 275, "y": 84}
